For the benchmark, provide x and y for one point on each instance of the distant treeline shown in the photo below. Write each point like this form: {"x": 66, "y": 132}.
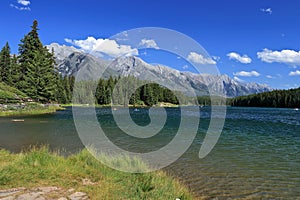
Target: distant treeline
{"x": 124, "y": 91}
{"x": 276, "y": 98}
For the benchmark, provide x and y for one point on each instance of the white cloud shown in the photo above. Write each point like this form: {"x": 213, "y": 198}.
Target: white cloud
{"x": 23, "y": 2}
{"x": 248, "y": 74}
{"x": 266, "y": 10}
{"x": 20, "y": 7}
{"x": 295, "y": 73}
{"x": 286, "y": 56}
{"x": 23, "y": 5}
{"x": 104, "y": 46}
{"x": 123, "y": 36}
{"x": 185, "y": 67}
{"x": 200, "y": 59}
{"x": 270, "y": 77}
{"x": 144, "y": 53}
{"x": 149, "y": 44}
{"x": 242, "y": 59}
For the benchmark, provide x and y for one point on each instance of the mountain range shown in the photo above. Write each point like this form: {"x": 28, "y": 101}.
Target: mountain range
{"x": 70, "y": 60}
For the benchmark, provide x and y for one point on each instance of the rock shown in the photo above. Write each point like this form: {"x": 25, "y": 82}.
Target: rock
{"x": 78, "y": 196}
{"x": 71, "y": 190}
{"x": 4, "y": 193}
{"x": 8, "y": 198}
{"x": 47, "y": 189}
{"x": 41, "y": 193}
{"x": 31, "y": 196}
{"x": 87, "y": 181}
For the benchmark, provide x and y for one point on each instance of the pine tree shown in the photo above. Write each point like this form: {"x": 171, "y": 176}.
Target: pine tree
{"x": 61, "y": 95}
{"x": 67, "y": 88}
{"x": 37, "y": 76}
{"x": 109, "y": 89}
{"x": 100, "y": 92}
{"x": 71, "y": 82}
{"x": 49, "y": 89}
{"x": 5, "y": 62}
{"x": 148, "y": 95}
{"x": 15, "y": 71}
{"x": 30, "y": 45}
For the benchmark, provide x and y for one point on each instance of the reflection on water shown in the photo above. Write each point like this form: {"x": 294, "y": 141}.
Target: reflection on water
{"x": 56, "y": 130}
{"x": 257, "y": 156}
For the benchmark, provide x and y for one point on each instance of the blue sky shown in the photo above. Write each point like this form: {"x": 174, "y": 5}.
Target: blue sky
{"x": 250, "y": 40}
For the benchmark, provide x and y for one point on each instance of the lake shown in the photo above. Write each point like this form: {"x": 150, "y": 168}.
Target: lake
{"x": 256, "y": 157}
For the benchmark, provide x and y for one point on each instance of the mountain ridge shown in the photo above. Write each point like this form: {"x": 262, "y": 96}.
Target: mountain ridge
{"x": 70, "y": 60}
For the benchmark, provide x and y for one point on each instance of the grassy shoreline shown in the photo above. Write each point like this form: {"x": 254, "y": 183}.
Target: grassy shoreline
{"x": 40, "y": 167}
{"x": 31, "y": 110}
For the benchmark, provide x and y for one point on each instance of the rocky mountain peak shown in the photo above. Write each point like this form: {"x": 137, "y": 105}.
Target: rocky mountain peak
{"x": 62, "y": 51}
{"x": 72, "y": 59}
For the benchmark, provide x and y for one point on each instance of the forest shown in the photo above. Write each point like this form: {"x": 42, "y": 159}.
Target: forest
{"x": 276, "y": 98}
{"x": 116, "y": 91}
{"x": 32, "y": 72}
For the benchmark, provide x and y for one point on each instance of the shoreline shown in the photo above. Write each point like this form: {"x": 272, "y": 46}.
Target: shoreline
{"x": 39, "y": 167}
{"x": 35, "y": 109}
{"x": 160, "y": 105}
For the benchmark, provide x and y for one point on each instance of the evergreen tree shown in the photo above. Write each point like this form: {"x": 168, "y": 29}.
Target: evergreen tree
{"x": 5, "y": 62}
{"x": 49, "y": 89}
{"x": 109, "y": 89}
{"x": 100, "y": 92}
{"x": 37, "y": 76}
{"x": 277, "y": 98}
{"x": 71, "y": 80}
{"x": 61, "y": 95}
{"x": 67, "y": 89}
{"x": 15, "y": 71}
{"x": 148, "y": 95}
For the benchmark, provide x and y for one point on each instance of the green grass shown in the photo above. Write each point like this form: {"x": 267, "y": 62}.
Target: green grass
{"x": 40, "y": 167}
{"x": 30, "y": 109}
{"x": 8, "y": 92}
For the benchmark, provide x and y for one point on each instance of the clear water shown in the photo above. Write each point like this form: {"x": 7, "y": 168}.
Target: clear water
{"x": 257, "y": 156}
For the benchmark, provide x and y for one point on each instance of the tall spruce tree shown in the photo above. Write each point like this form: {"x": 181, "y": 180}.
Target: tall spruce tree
{"x": 67, "y": 89}
{"x": 37, "y": 76}
{"x": 15, "y": 71}
{"x": 5, "y": 62}
{"x": 61, "y": 95}
{"x": 49, "y": 76}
